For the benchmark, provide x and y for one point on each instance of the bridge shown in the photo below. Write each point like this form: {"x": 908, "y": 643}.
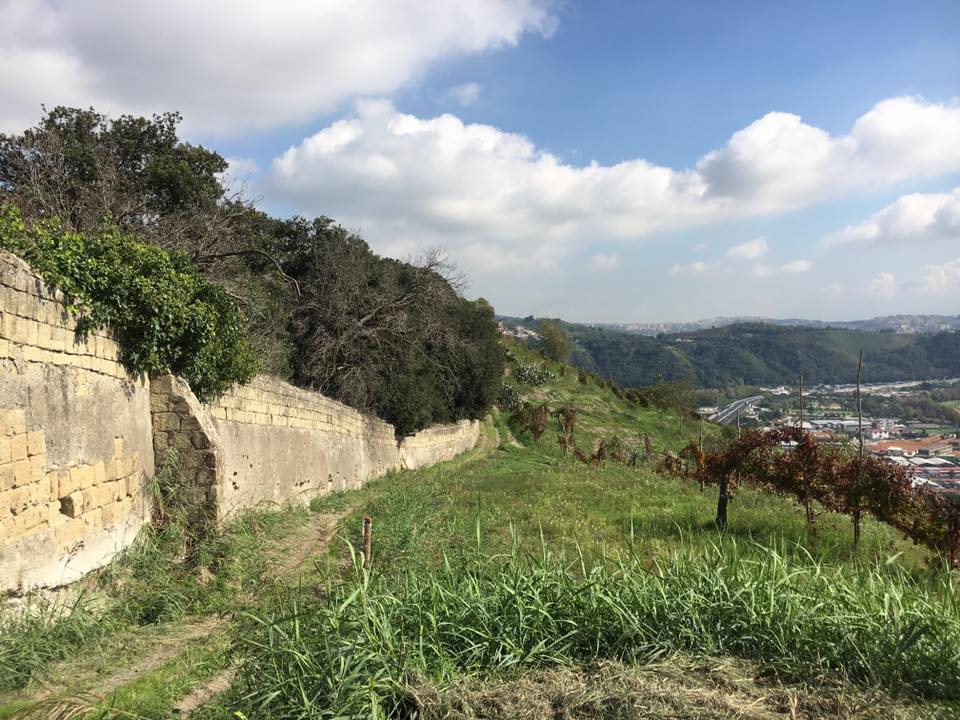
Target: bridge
{"x": 726, "y": 415}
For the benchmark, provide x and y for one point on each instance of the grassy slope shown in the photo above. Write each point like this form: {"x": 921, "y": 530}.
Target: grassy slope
{"x": 509, "y": 494}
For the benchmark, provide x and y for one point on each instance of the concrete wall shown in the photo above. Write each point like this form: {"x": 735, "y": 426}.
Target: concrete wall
{"x": 75, "y": 439}
{"x": 269, "y": 442}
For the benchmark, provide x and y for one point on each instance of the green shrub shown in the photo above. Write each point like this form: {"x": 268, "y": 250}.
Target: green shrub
{"x": 165, "y": 314}
{"x": 532, "y": 374}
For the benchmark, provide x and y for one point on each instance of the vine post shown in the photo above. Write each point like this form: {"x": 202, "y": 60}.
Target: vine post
{"x": 804, "y": 480}
{"x": 855, "y": 514}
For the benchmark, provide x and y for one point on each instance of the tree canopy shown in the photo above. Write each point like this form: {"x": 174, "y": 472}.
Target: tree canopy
{"x": 319, "y": 307}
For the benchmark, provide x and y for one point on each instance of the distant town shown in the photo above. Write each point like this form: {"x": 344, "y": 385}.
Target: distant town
{"x": 929, "y": 450}
{"x": 901, "y": 324}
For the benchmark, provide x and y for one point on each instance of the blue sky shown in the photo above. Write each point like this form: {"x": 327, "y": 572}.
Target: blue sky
{"x": 600, "y": 161}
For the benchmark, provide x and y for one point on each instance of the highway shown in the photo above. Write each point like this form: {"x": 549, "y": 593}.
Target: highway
{"x": 728, "y": 414}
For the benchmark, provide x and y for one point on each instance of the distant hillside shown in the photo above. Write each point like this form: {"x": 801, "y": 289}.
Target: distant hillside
{"x": 763, "y": 354}
{"x": 908, "y": 324}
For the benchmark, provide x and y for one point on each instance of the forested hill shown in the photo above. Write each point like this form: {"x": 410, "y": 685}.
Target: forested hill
{"x": 761, "y": 354}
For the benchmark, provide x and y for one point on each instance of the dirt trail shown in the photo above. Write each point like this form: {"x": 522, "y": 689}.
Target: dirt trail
{"x": 82, "y": 677}
{"x": 284, "y": 560}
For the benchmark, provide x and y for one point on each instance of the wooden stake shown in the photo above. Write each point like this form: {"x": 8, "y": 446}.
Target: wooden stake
{"x": 367, "y": 540}
{"x": 801, "y": 401}
{"x": 856, "y": 511}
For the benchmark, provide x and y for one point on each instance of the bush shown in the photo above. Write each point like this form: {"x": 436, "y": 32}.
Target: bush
{"x": 532, "y": 374}
{"x": 165, "y": 315}
{"x": 509, "y": 398}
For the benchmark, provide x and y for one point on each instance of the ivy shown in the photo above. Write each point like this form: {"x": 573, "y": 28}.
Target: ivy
{"x": 165, "y": 315}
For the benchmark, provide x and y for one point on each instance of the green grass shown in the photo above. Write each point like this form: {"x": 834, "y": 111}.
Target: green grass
{"x": 148, "y": 584}
{"x": 517, "y": 559}
{"x": 354, "y": 653}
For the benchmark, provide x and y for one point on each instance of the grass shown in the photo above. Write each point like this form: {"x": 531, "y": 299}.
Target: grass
{"x": 150, "y": 583}
{"x": 515, "y": 567}
{"x": 356, "y": 652}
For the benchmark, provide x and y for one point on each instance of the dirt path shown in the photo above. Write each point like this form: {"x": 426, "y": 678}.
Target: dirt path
{"x": 285, "y": 560}
{"x": 76, "y": 677}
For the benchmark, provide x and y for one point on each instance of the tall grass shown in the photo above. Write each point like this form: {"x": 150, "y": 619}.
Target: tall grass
{"x": 354, "y": 652}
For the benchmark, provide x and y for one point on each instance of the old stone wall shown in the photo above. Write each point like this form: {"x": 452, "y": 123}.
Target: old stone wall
{"x": 75, "y": 439}
{"x": 439, "y": 443}
{"x": 80, "y": 440}
{"x": 269, "y": 443}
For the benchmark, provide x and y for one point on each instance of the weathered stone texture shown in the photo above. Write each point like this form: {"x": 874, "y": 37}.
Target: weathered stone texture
{"x": 75, "y": 439}
{"x": 79, "y": 439}
{"x": 270, "y": 443}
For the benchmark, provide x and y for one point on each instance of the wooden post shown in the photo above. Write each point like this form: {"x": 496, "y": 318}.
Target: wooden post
{"x": 801, "y": 401}
{"x": 367, "y": 540}
{"x": 856, "y": 510}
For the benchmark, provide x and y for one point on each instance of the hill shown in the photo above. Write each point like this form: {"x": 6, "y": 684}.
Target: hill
{"x": 761, "y": 354}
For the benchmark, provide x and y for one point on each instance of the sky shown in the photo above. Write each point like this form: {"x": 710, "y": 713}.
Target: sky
{"x": 596, "y": 160}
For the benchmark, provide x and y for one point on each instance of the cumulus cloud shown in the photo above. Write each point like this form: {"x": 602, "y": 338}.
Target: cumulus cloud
{"x": 237, "y": 64}
{"x": 694, "y": 268}
{"x": 911, "y": 219}
{"x": 883, "y": 285}
{"x": 488, "y": 194}
{"x": 603, "y": 263}
{"x": 749, "y": 250}
{"x": 791, "y": 268}
{"x": 940, "y": 279}
{"x": 465, "y": 94}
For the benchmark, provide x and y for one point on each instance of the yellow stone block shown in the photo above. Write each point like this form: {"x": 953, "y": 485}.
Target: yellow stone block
{"x": 12, "y": 422}
{"x": 68, "y": 482}
{"x": 53, "y": 484}
{"x": 112, "y": 513}
{"x": 38, "y": 470}
{"x": 93, "y": 518}
{"x": 21, "y": 473}
{"x": 36, "y": 443}
{"x": 70, "y": 533}
{"x": 99, "y": 472}
{"x": 5, "y": 454}
{"x": 18, "y": 447}
{"x": 117, "y": 447}
{"x": 7, "y": 479}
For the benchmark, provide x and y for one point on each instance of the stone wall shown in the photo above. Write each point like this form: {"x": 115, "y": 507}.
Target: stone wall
{"x": 439, "y": 443}
{"x": 75, "y": 439}
{"x": 269, "y": 443}
{"x": 80, "y": 438}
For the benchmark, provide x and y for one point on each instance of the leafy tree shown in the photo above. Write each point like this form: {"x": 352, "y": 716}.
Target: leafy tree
{"x": 167, "y": 316}
{"x": 386, "y": 336}
{"x": 555, "y": 341}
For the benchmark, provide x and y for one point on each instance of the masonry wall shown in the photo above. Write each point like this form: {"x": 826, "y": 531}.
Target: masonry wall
{"x": 75, "y": 439}
{"x": 80, "y": 440}
{"x": 269, "y": 443}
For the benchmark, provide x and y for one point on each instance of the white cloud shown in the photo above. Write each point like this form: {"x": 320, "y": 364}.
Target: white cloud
{"x": 231, "y": 65}
{"x": 883, "y": 285}
{"x": 487, "y": 194}
{"x": 694, "y": 268}
{"x": 911, "y": 219}
{"x": 791, "y": 268}
{"x": 465, "y": 94}
{"x": 780, "y": 162}
{"x": 940, "y": 279}
{"x": 603, "y": 263}
{"x": 749, "y": 250}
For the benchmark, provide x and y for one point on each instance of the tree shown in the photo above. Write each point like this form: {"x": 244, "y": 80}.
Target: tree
{"x": 386, "y": 336}
{"x": 555, "y": 341}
